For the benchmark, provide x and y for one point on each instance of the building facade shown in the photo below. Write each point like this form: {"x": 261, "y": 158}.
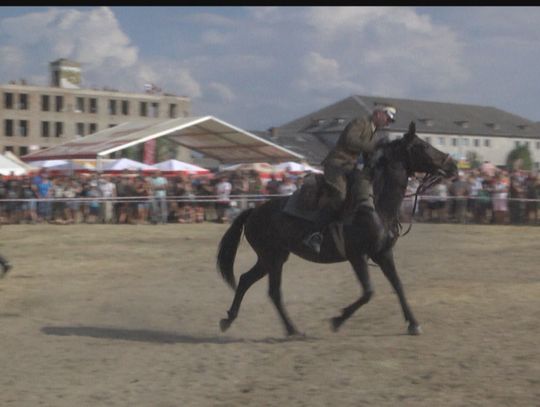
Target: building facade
{"x": 37, "y": 117}
{"x": 458, "y": 129}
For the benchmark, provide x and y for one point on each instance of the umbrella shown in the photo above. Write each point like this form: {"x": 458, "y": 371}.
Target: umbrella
{"x": 296, "y": 168}
{"x": 263, "y": 169}
{"x": 127, "y": 164}
{"x": 180, "y": 166}
{"x": 57, "y": 165}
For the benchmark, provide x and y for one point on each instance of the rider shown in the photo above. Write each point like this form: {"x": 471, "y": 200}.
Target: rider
{"x": 358, "y": 138}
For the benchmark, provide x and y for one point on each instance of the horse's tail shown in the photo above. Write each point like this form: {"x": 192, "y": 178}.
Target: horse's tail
{"x": 228, "y": 246}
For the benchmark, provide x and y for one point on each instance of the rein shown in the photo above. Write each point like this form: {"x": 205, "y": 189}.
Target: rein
{"x": 427, "y": 182}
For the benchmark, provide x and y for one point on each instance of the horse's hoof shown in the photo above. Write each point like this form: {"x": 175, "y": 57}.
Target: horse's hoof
{"x": 224, "y": 324}
{"x": 414, "y": 330}
{"x": 335, "y": 323}
{"x": 5, "y": 269}
{"x": 296, "y": 335}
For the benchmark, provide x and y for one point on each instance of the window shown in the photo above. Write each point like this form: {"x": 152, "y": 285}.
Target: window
{"x": 454, "y": 141}
{"x": 80, "y": 129}
{"x": 428, "y": 139}
{"x": 516, "y": 143}
{"x": 58, "y": 129}
{"x": 59, "y": 103}
{"x": 526, "y": 143}
{"x": 125, "y": 107}
{"x": 143, "y": 109}
{"x": 44, "y": 129}
{"x": 23, "y": 150}
{"x": 465, "y": 141}
{"x": 487, "y": 143}
{"x": 8, "y": 100}
{"x": 172, "y": 111}
{"x": 9, "y": 148}
{"x": 93, "y": 105}
{"x": 442, "y": 141}
{"x": 79, "y": 105}
{"x": 155, "y": 109}
{"x": 112, "y": 106}
{"x": 23, "y": 128}
{"x": 8, "y": 128}
{"x": 476, "y": 142}
{"x": 23, "y": 101}
{"x": 92, "y": 127}
{"x": 45, "y": 103}
{"x": 538, "y": 145}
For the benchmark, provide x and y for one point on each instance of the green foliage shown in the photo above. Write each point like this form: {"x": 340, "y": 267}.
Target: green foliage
{"x": 519, "y": 158}
{"x": 474, "y": 159}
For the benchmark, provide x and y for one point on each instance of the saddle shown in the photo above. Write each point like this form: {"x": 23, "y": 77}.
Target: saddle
{"x": 306, "y": 202}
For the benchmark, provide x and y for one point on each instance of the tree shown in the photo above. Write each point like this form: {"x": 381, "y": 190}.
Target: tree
{"x": 474, "y": 159}
{"x": 519, "y": 158}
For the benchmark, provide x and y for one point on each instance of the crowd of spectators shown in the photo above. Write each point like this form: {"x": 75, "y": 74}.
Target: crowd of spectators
{"x": 474, "y": 196}
{"x": 501, "y": 197}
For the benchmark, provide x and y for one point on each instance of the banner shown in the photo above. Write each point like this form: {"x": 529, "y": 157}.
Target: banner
{"x": 149, "y": 153}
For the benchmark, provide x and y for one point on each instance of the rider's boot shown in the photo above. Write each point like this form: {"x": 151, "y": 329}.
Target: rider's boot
{"x": 314, "y": 240}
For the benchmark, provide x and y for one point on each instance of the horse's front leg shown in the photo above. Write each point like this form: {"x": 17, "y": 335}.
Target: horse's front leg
{"x": 360, "y": 268}
{"x": 386, "y": 262}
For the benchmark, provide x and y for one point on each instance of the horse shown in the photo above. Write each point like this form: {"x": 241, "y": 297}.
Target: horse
{"x": 273, "y": 234}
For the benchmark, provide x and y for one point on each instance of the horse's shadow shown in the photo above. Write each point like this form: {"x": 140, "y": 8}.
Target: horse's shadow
{"x": 150, "y": 336}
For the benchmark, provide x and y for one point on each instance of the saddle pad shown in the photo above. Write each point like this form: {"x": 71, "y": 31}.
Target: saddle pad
{"x": 293, "y": 208}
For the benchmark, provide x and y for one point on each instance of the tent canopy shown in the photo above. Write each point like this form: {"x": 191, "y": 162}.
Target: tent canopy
{"x": 207, "y": 135}
{"x": 8, "y": 167}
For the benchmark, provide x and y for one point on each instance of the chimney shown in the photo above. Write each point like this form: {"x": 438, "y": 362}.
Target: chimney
{"x": 65, "y": 74}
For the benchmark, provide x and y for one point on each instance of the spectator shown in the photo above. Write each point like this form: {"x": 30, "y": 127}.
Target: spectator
{"x": 160, "y": 212}
{"x": 500, "y": 199}
{"x": 459, "y": 190}
{"x": 143, "y": 193}
{"x": 44, "y": 189}
{"x": 108, "y": 191}
{"x": 72, "y": 191}
{"x": 272, "y": 186}
{"x": 516, "y": 204}
{"x": 287, "y": 187}
{"x": 532, "y": 193}
{"x": 223, "y": 202}
{"x": 29, "y": 206}
{"x": 483, "y": 204}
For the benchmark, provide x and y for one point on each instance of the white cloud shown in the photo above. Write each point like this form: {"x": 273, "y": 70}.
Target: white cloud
{"x": 220, "y": 91}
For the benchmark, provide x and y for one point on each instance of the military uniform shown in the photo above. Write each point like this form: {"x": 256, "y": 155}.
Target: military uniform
{"x": 357, "y": 138}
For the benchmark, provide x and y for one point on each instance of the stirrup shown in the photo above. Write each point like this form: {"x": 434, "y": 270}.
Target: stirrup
{"x": 314, "y": 241}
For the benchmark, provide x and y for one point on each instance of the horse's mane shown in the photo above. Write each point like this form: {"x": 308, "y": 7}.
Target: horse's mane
{"x": 389, "y": 173}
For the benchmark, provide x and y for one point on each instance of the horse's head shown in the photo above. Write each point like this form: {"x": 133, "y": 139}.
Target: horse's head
{"x": 423, "y": 157}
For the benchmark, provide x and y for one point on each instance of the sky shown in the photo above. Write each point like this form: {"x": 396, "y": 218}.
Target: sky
{"x": 259, "y": 67}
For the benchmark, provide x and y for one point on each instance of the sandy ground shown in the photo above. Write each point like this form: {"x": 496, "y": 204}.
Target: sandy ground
{"x": 96, "y": 315}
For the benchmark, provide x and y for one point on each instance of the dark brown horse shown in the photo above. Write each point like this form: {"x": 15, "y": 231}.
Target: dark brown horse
{"x": 273, "y": 234}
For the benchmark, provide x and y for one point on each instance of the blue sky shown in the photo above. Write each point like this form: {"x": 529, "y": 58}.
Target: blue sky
{"x": 257, "y": 67}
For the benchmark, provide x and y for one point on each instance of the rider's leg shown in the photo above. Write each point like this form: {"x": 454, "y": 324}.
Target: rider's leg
{"x": 327, "y": 215}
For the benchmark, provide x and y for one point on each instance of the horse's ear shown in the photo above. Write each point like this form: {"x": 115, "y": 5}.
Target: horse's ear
{"x": 410, "y": 134}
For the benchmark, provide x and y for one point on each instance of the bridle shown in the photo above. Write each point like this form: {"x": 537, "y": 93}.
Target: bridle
{"x": 427, "y": 182}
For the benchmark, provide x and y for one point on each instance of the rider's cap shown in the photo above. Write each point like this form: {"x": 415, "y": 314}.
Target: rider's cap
{"x": 390, "y": 112}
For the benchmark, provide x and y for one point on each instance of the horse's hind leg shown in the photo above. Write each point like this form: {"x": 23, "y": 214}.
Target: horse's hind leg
{"x": 246, "y": 280}
{"x": 275, "y": 270}
{"x": 360, "y": 268}
{"x": 6, "y": 266}
{"x": 388, "y": 267}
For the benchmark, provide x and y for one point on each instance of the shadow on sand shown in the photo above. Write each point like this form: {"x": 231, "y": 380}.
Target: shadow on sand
{"x": 145, "y": 335}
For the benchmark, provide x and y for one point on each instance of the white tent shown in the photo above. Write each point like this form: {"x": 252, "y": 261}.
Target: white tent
{"x": 127, "y": 164}
{"x": 8, "y": 167}
{"x": 10, "y": 156}
{"x": 180, "y": 166}
{"x": 295, "y": 168}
